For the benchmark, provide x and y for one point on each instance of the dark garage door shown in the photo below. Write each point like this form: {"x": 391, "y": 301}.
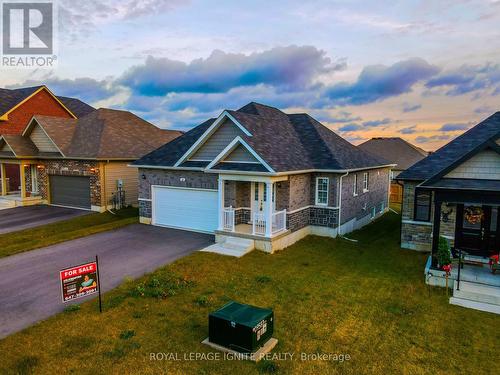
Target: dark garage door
{"x": 71, "y": 191}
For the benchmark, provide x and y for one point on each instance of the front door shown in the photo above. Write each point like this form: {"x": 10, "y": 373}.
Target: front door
{"x": 477, "y": 229}
{"x": 259, "y": 198}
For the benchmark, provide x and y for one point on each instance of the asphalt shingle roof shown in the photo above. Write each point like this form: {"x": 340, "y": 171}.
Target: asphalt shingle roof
{"x": 454, "y": 150}
{"x": 287, "y": 142}
{"x": 102, "y": 134}
{"x": 395, "y": 150}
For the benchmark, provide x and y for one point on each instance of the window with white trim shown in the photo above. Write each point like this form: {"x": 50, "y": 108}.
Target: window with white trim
{"x": 322, "y": 191}
{"x": 355, "y": 186}
{"x": 365, "y": 182}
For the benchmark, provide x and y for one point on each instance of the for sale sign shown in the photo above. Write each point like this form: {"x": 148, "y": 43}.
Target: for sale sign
{"x": 79, "y": 281}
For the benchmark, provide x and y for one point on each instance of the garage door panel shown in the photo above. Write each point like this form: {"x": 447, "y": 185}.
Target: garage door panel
{"x": 185, "y": 208}
{"x": 71, "y": 191}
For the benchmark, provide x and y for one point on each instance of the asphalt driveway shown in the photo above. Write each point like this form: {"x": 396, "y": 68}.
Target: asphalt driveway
{"x": 29, "y": 282}
{"x": 14, "y": 219}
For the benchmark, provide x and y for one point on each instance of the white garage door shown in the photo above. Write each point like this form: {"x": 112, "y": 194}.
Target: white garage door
{"x": 194, "y": 209}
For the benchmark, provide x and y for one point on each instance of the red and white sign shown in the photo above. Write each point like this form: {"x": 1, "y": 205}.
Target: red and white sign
{"x": 79, "y": 281}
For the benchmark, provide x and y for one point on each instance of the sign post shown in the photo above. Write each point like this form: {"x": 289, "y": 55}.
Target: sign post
{"x": 98, "y": 283}
{"x": 81, "y": 281}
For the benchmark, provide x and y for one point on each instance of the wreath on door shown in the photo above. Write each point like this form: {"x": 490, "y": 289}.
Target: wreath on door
{"x": 473, "y": 215}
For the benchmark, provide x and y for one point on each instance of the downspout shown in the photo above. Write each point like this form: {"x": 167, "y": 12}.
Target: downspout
{"x": 340, "y": 200}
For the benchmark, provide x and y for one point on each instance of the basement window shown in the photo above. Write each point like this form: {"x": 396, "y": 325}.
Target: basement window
{"x": 422, "y": 210}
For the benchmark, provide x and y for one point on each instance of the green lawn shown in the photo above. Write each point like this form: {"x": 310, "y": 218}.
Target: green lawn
{"x": 366, "y": 300}
{"x": 50, "y": 234}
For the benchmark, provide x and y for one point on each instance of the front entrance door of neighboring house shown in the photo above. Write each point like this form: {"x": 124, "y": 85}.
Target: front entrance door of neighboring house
{"x": 259, "y": 198}
{"x": 477, "y": 229}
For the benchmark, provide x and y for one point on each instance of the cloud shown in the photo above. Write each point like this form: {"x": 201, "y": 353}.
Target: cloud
{"x": 351, "y": 127}
{"x": 407, "y": 107}
{"x": 409, "y": 130}
{"x": 86, "y": 89}
{"x": 290, "y": 68}
{"x": 466, "y": 79}
{"x": 341, "y": 118}
{"x": 376, "y": 123}
{"x": 432, "y": 138}
{"x": 78, "y": 18}
{"x": 379, "y": 82}
{"x": 452, "y": 127}
{"x": 484, "y": 109}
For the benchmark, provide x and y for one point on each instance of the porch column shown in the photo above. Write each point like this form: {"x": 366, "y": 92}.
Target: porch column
{"x": 435, "y": 229}
{"x": 269, "y": 208}
{"x": 3, "y": 179}
{"x": 220, "y": 196}
{"x": 23, "y": 180}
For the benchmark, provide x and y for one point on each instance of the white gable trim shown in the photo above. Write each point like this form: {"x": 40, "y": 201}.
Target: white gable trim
{"x": 30, "y": 126}
{"x": 208, "y": 133}
{"x": 230, "y": 147}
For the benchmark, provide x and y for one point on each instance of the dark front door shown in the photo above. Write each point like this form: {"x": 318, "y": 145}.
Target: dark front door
{"x": 70, "y": 191}
{"x": 477, "y": 229}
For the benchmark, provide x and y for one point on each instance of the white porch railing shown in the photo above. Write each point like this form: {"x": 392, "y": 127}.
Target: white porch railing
{"x": 259, "y": 224}
{"x": 228, "y": 219}
{"x": 279, "y": 221}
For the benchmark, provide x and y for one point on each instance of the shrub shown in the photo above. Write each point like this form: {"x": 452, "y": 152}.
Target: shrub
{"x": 443, "y": 253}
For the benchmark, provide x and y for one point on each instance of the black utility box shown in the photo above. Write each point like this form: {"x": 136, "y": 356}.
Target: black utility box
{"x": 240, "y": 327}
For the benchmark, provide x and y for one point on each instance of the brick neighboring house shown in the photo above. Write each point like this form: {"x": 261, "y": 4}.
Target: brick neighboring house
{"x": 397, "y": 151}
{"x": 262, "y": 175}
{"x": 18, "y": 106}
{"x": 455, "y": 193}
{"x": 81, "y": 163}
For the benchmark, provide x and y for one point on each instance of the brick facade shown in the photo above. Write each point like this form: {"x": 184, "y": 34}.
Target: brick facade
{"x": 71, "y": 168}
{"x": 40, "y": 104}
{"x": 296, "y": 195}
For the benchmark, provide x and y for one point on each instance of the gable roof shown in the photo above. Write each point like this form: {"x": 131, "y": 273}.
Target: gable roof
{"x": 102, "y": 134}
{"x": 286, "y": 142}
{"x": 451, "y": 153}
{"x": 10, "y": 98}
{"x": 395, "y": 150}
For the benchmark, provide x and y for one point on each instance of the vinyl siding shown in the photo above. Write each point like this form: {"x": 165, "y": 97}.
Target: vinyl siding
{"x": 5, "y": 148}
{"x": 483, "y": 166}
{"x": 41, "y": 140}
{"x": 119, "y": 170}
{"x": 217, "y": 142}
{"x": 239, "y": 154}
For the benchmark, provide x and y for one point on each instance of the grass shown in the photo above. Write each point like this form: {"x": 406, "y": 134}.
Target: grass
{"x": 330, "y": 296}
{"x": 51, "y": 234}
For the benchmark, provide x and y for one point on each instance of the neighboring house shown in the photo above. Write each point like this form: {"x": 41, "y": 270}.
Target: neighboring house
{"x": 397, "y": 151}
{"x": 18, "y": 106}
{"x": 264, "y": 175}
{"x": 80, "y": 163}
{"x": 454, "y": 193}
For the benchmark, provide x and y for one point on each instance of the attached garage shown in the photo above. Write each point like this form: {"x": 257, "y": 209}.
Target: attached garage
{"x": 70, "y": 191}
{"x": 184, "y": 208}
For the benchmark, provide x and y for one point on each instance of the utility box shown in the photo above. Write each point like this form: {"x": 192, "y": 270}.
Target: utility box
{"x": 239, "y": 327}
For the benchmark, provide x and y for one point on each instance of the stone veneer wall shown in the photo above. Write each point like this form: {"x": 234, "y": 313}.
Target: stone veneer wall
{"x": 70, "y": 168}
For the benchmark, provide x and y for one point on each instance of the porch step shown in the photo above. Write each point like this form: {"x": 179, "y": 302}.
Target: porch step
{"x": 236, "y": 247}
{"x": 477, "y": 296}
{"x": 7, "y": 203}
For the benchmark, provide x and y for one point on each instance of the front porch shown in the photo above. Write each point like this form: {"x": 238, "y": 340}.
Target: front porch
{"x": 25, "y": 191}
{"x": 251, "y": 206}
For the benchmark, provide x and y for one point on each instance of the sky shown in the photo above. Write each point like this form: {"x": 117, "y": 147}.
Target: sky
{"x": 425, "y": 71}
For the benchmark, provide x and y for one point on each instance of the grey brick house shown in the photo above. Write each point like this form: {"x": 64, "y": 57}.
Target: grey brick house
{"x": 454, "y": 193}
{"x": 264, "y": 175}
{"x": 444, "y": 189}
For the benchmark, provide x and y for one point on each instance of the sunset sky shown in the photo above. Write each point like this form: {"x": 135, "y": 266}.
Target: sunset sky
{"x": 422, "y": 70}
